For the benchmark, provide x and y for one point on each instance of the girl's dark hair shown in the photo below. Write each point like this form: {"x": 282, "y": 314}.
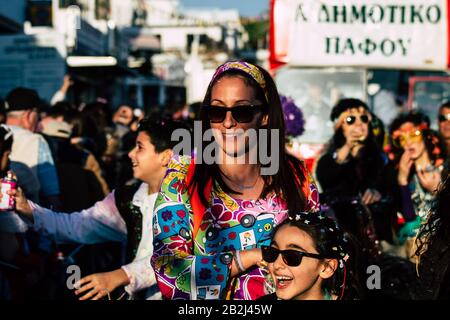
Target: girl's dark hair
{"x": 332, "y": 245}
{"x": 160, "y": 131}
{"x": 433, "y": 244}
{"x": 433, "y": 143}
{"x": 282, "y": 183}
{"x": 437, "y": 226}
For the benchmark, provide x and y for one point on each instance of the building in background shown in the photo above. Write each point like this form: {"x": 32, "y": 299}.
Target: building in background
{"x": 12, "y": 17}
{"x": 218, "y": 33}
{"x": 150, "y": 53}
{"x": 58, "y": 37}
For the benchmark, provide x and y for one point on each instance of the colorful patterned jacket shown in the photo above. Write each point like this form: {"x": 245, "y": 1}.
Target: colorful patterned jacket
{"x": 200, "y": 268}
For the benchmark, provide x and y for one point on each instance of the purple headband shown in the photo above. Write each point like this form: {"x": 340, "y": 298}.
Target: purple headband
{"x": 246, "y": 67}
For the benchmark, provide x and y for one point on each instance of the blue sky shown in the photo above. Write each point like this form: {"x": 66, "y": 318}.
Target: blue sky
{"x": 245, "y": 7}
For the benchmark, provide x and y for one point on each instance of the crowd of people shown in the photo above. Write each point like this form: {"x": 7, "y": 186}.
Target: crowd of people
{"x": 106, "y": 192}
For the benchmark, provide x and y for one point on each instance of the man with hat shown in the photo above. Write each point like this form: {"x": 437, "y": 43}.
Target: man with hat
{"x": 29, "y": 148}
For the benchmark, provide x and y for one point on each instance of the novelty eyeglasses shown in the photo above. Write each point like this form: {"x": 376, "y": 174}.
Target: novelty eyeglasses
{"x": 403, "y": 138}
{"x": 443, "y": 117}
{"x": 292, "y": 258}
{"x": 352, "y": 119}
{"x": 242, "y": 113}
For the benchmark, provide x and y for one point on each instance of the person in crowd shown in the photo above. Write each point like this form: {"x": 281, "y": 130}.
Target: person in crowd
{"x": 80, "y": 180}
{"x": 212, "y": 219}
{"x": 60, "y": 95}
{"x": 308, "y": 260}
{"x": 10, "y": 225}
{"x": 55, "y": 113}
{"x": 124, "y": 215}
{"x": 22, "y": 266}
{"x": 29, "y": 148}
{"x": 354, "y": 167}
{"x": 178, "y": 111}
{"x": 418, "y": 155}
{"x": 58, "y": 129}
{"x": 444, "y": 125}
{"x": 433, "y": 248}
{"x": 97, "y": 123}
{"x": 121, "y": 142}
{"x": 123, "y": 115}
{"x": 2, "y": 112}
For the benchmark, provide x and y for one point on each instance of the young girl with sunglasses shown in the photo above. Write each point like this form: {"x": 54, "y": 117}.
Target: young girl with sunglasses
{"x": 354, "y": 167}
{"x": 308, "y": 260}
{"x": 418, "y": 155}
{"x": 211, "y": 219}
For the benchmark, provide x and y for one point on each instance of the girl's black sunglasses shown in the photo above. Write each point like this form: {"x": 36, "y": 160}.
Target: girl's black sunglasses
{"x": 292, "y": 258}
{"x": 242, "y": 114}
{"x": 351, "y": 119}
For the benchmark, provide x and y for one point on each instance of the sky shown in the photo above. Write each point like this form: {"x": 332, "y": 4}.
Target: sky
{"x": 247, "y": 8}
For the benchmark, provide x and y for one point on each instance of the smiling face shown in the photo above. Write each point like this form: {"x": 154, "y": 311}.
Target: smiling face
{"x": 230, "y": 92}
{"x": 353, "y": 125}
{"x": 147, "y": 163}
{"x": 302, "y": 281}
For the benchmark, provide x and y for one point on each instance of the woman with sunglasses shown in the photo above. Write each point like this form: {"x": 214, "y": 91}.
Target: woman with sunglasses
{"x": 355, "y": 167}
{"x": 308, "y": 260}
{"x": 211, "y": 219}
{"x": 444, "y": 125}
{"x": 417, "y": 154}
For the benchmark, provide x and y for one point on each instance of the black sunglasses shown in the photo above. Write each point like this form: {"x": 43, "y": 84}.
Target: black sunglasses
{"x": 292, "y": 258}
{"x": 351, "y": 119}
{"x": 443, "y": 118}
{"x": 242, "y": 113}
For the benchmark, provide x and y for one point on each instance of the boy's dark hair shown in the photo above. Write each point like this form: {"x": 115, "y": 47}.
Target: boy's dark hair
{"x": 160, "y": 130}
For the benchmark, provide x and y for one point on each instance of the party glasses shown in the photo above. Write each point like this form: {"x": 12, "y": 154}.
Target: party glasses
{"x": 292, "y": 258}
{"x": 443, "y": 118}
{"x": 242, "y": 113}
{"x": 352, "y": 119}
{"x": 404, "y": 137}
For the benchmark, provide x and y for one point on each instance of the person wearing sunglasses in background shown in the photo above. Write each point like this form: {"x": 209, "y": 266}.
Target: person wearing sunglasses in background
{"x": 211, "y": 219}
{"x": 355, "y": 167}
{"x": 308, "y": 259}
{"x": 444, "y": 125}
{"x": 418, "y": 156}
